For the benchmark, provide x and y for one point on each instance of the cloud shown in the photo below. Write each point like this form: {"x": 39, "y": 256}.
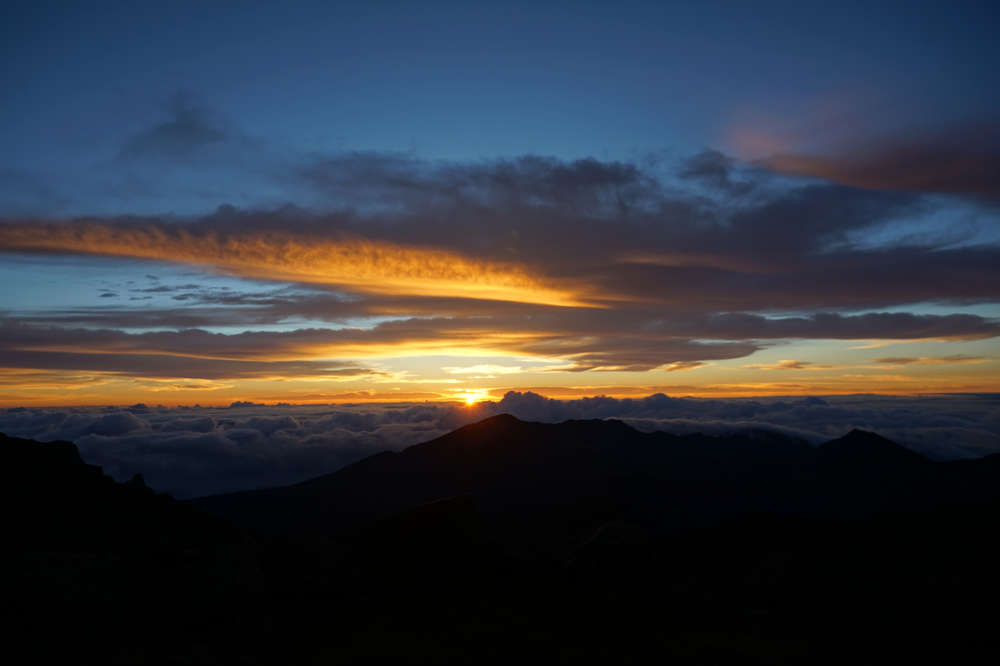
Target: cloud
{"x": 924, "y": 360}
{"x": 390, "y": 182}
{"x": 598, "y": 266}
{"x": 787, "y": 364}
{"x": 713, "y": 169}
{"x": 538, "y": 230}
{"x": 953, "y": 161}
{"x": 166, "y": 366}
{"x": 337, "y": 259}
{"x": 628, "y": 341}
{"x": 683, "y": 365}
{"x": 196, "y": 451}
{"x": 168, "y": 354}
{"x": 191, "y": 126}
{"x": 470, "y": 315}
{"x": 115, "y": 424}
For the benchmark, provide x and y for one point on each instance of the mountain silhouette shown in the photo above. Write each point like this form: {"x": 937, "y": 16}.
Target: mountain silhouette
{"x": 62, "y": 503}
{"x": 576, "y": 541}
{"x": 85, "y": 555}
{"x": 863, "y": 452}
{"x": 589, "y": 472}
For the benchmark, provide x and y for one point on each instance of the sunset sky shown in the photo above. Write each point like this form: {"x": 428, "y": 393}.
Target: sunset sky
{"x": 322, "y": 202}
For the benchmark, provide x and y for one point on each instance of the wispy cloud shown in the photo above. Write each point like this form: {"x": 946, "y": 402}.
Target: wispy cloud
{"x": 899, "y": 361}
{"x": 788, "y": 364}
{"x": 190, "y": 126}
{"x": 345, "y": 261}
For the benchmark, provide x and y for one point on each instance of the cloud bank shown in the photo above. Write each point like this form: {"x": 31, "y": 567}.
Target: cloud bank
{"x": 197, "y": 451}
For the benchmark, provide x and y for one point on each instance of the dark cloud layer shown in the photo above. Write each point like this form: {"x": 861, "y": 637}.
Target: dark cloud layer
{"x": 628, "y": 341}
{"x": 197, "y": 451}
{"x": 715, "y": 170}
{"x": 185, "y": 353}
{"x": 611, "y": 265}
{"x": 959, "y": 160}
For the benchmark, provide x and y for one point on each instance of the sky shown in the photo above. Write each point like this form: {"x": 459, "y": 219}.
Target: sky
{"x": 324, "y": 203}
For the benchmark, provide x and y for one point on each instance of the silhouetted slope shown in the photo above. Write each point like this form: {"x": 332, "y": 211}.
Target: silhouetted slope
{"x": 63, "y": 504}
{"x": 510, "y": 465}
{"x": 592, "y": 471}
{"x": 105, "y": 572}
{"x": 862, "y": 453}
{"x": 573, "y": 542}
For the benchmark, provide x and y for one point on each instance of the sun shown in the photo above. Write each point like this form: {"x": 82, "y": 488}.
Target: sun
{"x": 472, "y": 396}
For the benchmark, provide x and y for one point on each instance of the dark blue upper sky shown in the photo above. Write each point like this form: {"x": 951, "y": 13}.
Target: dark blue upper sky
{"x": 460, "y": 80}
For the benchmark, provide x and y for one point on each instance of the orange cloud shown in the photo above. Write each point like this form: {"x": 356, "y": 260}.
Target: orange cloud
{"x": 359, "y": 264}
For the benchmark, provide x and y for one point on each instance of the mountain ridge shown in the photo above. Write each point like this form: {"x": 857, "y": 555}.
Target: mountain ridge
{"x": 508, "y": 465}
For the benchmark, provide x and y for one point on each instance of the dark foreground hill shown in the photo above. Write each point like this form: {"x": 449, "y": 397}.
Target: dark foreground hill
{"x": 103, "y": 572}
{"x": 507, "y": 540}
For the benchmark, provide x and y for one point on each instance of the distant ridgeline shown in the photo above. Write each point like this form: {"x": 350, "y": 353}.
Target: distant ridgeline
{"x": 599, "y": 470}
{"x": 504, "y": 539}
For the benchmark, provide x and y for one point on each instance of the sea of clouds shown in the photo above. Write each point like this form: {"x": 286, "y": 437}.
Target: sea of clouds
{"x": 194, "y": 451}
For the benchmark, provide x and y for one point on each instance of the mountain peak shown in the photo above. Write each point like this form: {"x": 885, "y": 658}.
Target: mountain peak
{"x": 869, "y": 449}
{"x": 503, "y": 418}
{"x": 859, "y": 437}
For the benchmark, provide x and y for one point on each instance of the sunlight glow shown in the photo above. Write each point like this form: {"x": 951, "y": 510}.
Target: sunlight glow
{"x": 365, "y": 265}
{"x": 471, "y": 396}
